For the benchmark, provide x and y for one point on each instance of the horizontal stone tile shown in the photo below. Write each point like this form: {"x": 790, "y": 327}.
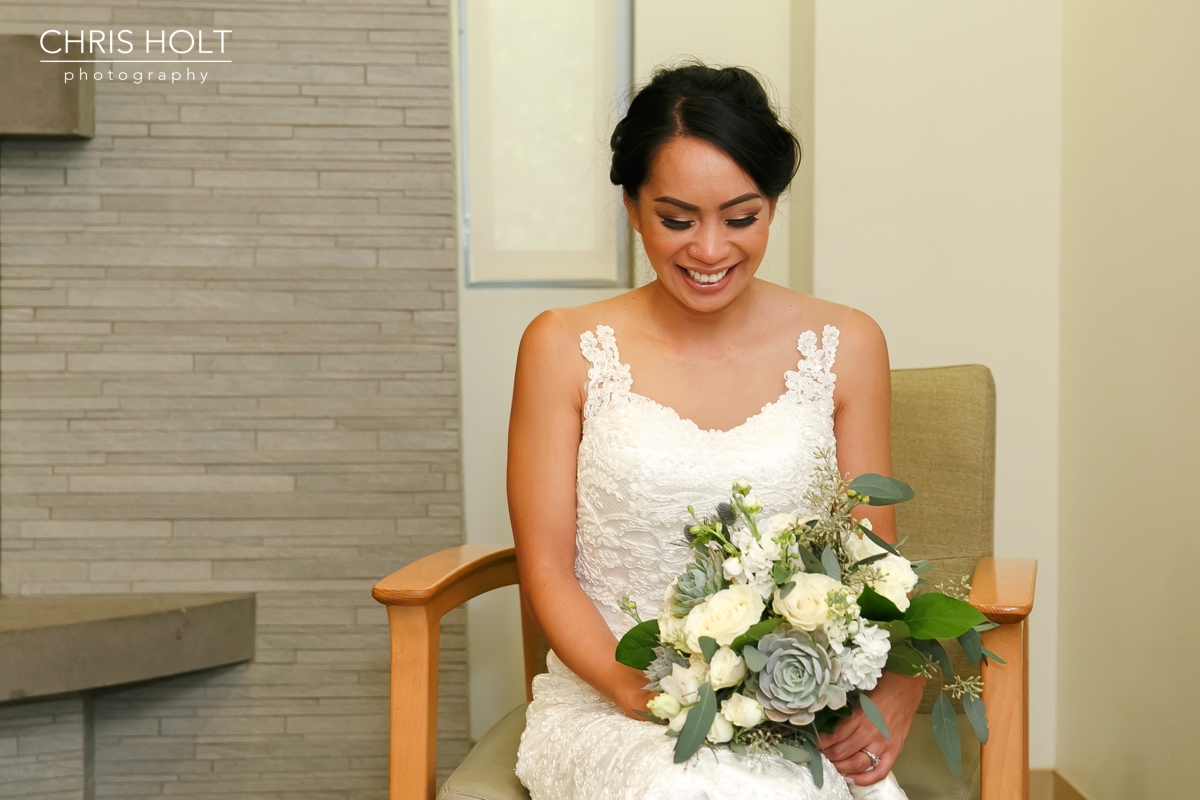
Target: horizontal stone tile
{"x": 149, "y": 571}
{"x": 32, "y": 362}
{"x": 92, "y": 529}
{"x": 141, "y": 362}
{"x": 182, "y": 483}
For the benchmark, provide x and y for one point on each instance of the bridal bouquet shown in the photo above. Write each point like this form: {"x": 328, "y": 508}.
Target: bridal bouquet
{"x": 779, "y": 626}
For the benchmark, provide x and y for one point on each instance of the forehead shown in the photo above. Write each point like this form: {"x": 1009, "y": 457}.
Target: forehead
{"x": 697, "y": 171}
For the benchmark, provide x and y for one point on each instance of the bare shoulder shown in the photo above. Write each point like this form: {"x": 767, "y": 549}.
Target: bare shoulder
{"x": 857, "y": 331}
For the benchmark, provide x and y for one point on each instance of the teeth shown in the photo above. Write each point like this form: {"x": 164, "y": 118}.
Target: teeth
{"x": 701, "y": 277}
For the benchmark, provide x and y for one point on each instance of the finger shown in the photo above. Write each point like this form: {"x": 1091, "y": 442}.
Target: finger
{"x": 846, "y": 728}
{"x": 870, "y": 776}
{"x": 848, "y": 747}
{"x": 853, "y": 765}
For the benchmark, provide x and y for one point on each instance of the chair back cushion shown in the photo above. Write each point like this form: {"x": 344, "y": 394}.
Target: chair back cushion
{"x": 944, "y": 447}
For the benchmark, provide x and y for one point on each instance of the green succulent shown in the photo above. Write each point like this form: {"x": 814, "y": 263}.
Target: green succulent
{"x": 702, "y": 579}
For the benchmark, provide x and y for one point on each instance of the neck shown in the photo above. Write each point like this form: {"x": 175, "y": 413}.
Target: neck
{"x": 685, "y": 325}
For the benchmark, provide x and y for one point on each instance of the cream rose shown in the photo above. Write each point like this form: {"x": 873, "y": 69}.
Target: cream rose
{"x": 779, "y": 523}
{"x": 664, "y": 705}
{"x": 896, "y": 576}
{"x": 726, "y": 669}
{"x": 745, "y": 712}
{"x": 683, "y": 683}
{"x": 806, "y": 606}
{"x": 725, "y": 616}
{"x": 721, "y": 730}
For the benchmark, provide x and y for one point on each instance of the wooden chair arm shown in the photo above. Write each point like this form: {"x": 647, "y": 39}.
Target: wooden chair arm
{"x": 417, "y": 596}
{"x": 1002, "y": 589}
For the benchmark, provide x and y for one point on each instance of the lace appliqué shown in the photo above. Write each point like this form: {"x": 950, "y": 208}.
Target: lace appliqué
{"x": 640, "y": 465}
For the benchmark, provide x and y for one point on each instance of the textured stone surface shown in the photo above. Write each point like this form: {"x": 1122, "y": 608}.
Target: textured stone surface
{"x": 230, "y": 366}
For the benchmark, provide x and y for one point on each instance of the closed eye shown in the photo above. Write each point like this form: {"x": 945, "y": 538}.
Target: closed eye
{"x": 677, "y": 224}
{"x": 742, "y": 222}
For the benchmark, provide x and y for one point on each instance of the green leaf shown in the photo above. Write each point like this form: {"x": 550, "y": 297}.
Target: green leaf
{"x": 875, "y": 715}
{"x": 756, "y": 632}
{"x": 945, "y": 730}
{"x": 921, "y": 566}
{"x": 990, "y": 656}
{"x": 830, "y": 563}
{"x": 650, "y": 717}
{"x": 881, "y": 490}
{"x": 977, "y": 714}
{"x": 780, "y": 573}
{"x": 815, "y": 764}
{"x": 636, "y": 648}
{"x": 933, "y": 650}
{"x": 867, "y": 561}
{"x": 811, "y": 562}
{"x": 755, "y": 660}
{"x": 888, "y": 546}
{"x": 972, "y": 645}
{"x": 904, "y": 660}
{"x": 897, "y": 629}
{"x": 709, "y": 647}
{"x": 786, "y": 589}
{"x": 696, "y": 726}
{"x": 938, "y": 616}
{"x": 797, "y": 755}
{"x": 875, "y": 606}
{"x": 738, "y": 748}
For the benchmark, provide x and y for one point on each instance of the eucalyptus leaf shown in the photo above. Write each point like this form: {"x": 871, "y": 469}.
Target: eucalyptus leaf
{"x": 867, "y": 561}
{"x": 939, "y": 616}
{"x": 709, "y": 647}
{"x": 875, "y": 715}
{"x": 738, "y": 748}
{"x": 977, "y": 714}
{"x": 786, "y": 589}
{"x": 945, "y": 731}
{"x": 797, "y": 755}
{"x": 830, "y": 563}
{"x": 636, "y": 648}
{"x": 815, "y": 764}
{"x": 875, "y": 606}
{"x": 990, "y": 656}
{"x": 696, "y": 726}
{"x": 811, "y": 562}
{"x": 780, "y": 573}
{"x": 755, "y": 660}
{"x": 881, "y": 490}
{"x": 933, "y": 650}
{"x": 874, "y": 537}
{"x": 972, "y": 645}
{"x": 903, "y": 659}
{"x": 756, "y": 632}
{"x": 920, "y": 567}
{"x": 987, "y": 626}
{"x": 646, "y": 715}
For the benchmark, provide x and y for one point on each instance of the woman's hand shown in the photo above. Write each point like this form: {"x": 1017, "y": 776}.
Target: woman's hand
{"x": 898, "y": 697}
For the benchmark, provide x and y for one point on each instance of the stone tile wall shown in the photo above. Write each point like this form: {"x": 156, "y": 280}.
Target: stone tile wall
{"x": 230, "y": 364}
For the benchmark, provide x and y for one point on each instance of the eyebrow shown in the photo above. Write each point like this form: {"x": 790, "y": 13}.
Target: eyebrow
{"x": 722, "y": 207}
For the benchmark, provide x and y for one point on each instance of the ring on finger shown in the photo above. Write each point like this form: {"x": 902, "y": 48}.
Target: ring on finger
{"x": 874, "y": 759}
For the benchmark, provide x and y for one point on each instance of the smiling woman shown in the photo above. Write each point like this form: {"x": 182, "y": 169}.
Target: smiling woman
{"x": 735, "y": 379}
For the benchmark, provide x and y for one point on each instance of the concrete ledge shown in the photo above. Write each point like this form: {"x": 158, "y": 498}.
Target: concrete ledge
{"x": 35, "y": 99}
{"x": 55, "y": 645}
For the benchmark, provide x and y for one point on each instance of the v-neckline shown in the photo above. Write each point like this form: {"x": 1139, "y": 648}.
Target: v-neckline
{"x": 788, "y": 379}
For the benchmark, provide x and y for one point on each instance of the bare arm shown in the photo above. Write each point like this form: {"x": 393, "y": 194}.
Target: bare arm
{"x": 544, "y": 431}
{"x": 862, "y": 427}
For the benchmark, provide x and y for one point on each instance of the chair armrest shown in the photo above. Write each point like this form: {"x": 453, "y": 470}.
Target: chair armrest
{"x": 450, "y": 577}
{"x": 1002, "y": 588}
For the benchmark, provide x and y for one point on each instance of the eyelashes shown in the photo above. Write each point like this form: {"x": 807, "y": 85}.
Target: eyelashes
{"x": 684, "y": 224}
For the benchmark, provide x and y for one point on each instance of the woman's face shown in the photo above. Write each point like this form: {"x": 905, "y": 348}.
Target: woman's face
{"x": 703, "y": 222}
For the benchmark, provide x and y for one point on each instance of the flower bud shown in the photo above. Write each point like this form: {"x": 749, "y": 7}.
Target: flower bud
{"x": 664, "y": 706}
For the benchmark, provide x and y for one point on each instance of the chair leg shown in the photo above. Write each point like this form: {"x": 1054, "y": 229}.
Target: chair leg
{"x": 1006, "y": 694}
{"x": 413, "y": 759}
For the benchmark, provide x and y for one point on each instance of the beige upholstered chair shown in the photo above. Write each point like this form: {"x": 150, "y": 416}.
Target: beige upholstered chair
{"x": 943, "y": 444}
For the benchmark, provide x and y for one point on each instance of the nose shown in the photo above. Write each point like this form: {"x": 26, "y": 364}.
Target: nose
{"x": 710, "y": 244}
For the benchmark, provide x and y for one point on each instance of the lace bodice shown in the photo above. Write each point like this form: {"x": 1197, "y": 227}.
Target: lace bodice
{"x": 641, "y": 465}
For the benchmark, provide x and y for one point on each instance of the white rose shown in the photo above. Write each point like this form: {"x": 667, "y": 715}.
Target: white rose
{"x": 806, "y": 606}
{"x": 725, "y": 616}
{"x": 664, "y": 705}
{"x": 745, "y": 712}
{"x": 677, "y": 721}
{"x": 721, "y": 730}
{"x": 896, "y": 579}
{"x": 780, "y": 523}
{"x": 726, "y": 669}
{"x": 682, "y": 684}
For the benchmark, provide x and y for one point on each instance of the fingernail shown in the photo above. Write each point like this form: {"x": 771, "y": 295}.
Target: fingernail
{"x": 851, "y": 781}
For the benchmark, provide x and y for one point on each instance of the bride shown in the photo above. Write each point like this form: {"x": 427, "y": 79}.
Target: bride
{"x": 628, "y": 410}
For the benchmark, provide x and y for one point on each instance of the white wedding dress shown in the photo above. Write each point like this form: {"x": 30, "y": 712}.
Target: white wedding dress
{"x": 640, "y": 466}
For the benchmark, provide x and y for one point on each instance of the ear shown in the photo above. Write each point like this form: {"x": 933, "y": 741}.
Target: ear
{"x": 771, "y": 210}
{"x": 631, "y": 210}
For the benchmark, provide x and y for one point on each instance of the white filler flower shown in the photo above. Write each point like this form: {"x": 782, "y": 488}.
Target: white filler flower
{"x": 862, "y": 662}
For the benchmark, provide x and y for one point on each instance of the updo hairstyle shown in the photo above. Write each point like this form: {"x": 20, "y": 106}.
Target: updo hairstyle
{"x": 725, "y": 107}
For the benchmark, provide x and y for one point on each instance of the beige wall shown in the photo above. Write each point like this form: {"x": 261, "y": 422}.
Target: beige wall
{"x": 230, "y": 364}
{"x": 937, "y": 212}
{"x": 1129, "y": 701}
